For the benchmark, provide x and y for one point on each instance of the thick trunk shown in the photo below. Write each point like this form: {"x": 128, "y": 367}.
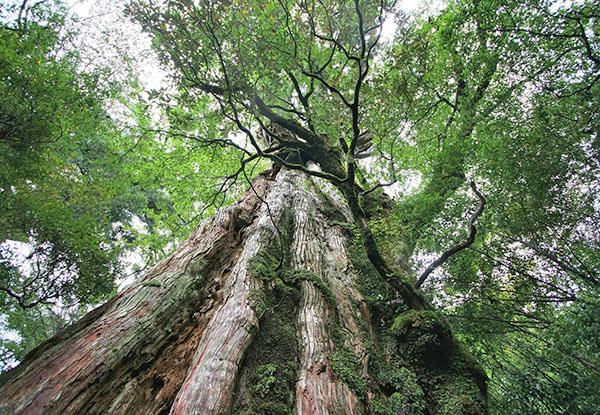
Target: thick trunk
{"x": 259, "y": 311}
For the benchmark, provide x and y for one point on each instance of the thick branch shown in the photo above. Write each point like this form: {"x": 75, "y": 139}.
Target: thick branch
{"x": 286, "y": 123}
{"x": 460, "y": 246}
{"x": 406, "y": 291}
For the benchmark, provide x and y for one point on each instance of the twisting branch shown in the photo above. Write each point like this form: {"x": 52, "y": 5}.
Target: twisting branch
{"x": 377, "y": 186}
{"x": 460, "y": 246}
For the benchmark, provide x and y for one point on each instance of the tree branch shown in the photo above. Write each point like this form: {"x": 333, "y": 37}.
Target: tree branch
{"x": 460, "y": 246}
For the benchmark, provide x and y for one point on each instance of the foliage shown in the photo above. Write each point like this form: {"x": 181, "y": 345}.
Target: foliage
{"x": 407, "y": 397}
{"x": 85, "y": 180}
{"x": 265, "y": 379}
{"x": 345, "y": 366}
{"x": 55, "y": 140}
{"x": 58, "y": 178}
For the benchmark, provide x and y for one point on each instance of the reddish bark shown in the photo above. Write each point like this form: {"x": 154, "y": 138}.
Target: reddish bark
{"x": 175, "y": 341}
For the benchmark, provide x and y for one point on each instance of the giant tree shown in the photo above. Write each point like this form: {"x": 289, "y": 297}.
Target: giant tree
{"x": 303, "y": 296}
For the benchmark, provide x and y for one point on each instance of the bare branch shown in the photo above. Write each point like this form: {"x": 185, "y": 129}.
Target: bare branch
{"x": 460, "y": 246}
{"x": 378, "y": 186}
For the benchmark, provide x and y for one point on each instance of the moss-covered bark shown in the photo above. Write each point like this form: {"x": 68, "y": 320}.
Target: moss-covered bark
{"x": 271, "y": 307}
{"x": 452, "y": 382}
{"x": 267, "y": 381}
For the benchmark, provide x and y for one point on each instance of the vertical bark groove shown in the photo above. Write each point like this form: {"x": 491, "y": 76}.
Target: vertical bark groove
{"x": 209, "y": 384}
{"x": 116, "y": 353}
{"x": 319, "y": 247}
{"x": 175, "y": 343}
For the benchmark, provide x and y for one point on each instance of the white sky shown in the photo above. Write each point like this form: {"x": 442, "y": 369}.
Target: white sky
{"x": 105, "y": 31}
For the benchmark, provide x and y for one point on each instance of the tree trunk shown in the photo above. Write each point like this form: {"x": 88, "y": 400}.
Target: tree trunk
{"x": 261, "y": 310}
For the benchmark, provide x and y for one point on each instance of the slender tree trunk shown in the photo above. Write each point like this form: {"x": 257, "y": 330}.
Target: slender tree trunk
{"x": 261, "y": 310}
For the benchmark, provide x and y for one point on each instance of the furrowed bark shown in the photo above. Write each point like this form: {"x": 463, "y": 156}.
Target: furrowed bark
{"x": 320, "y": 250}
{"x": 132, "y": 354}
{"x": 174, "y": 342}
{"x": 183, "y": 339}
{"x": 208, "y": 387}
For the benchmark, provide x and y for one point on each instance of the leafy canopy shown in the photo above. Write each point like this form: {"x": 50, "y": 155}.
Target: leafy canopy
{"x": 86, "y": 181}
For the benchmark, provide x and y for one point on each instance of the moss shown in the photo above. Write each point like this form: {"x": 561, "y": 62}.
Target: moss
{"x": 349, "y": 226}
{"x": 397, "y": 403}
{"x": 378, "y": 294}
{"x": 376, "y": 203}
{"x": 423, "y": 337}
{"x": 469, "y": 368}
{"x": 343, "y": 361}
{"x": 416, "y": 365}
{"x": 395, "y": 378}
{"x": 270, "y": 365}
{"x": 197, "y": 267}
{"x": 345, "y": 366}
{"x": 273, "y": 408}
{"x": 405, "y": 395}
{"x": 259, "y": 302}
{"x": 294, "y": 276}
{"x": 326, "y": 207}
{"x": 264, "y": 265}
{"x": 152, "y": 283}
{"x": 458, "y": 395}
{"x": 451, "y": 381}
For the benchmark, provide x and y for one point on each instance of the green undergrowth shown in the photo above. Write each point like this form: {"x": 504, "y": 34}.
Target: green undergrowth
{"x": 406, "y": 397}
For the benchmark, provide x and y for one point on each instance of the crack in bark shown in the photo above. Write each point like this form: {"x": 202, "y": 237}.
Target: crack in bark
{"x": 175, "y": 342}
